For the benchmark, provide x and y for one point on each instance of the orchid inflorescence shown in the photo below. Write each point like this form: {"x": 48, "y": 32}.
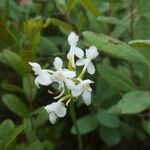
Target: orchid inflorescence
{"x": 67, "y": 79}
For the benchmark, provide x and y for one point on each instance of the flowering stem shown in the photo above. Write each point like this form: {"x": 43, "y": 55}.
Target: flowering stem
{"x": 74, "y": 120}
{"x": 30, "y": 100}
{"x": 83, "y": 70}
{"x": 65, "y": 98}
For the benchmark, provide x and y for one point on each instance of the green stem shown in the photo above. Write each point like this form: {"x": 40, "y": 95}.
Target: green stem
{"x": 83, "y": 70}
{"x": 65, "y": 97}
{"x": 132, "y": 19}
{"x": 74, "y": 120}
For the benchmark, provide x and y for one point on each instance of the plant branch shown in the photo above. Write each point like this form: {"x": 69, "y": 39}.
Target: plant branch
{"x": 30, "y": 100}
{"x": 73, "y": 116}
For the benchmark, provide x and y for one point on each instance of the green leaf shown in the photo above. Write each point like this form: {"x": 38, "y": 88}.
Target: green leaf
{"x": 32, "y": 27}
{"x": 71, "y": 4}
{"x": 88, "y": 4}
{"x": 29, "y": 87}
{"x": 109, "y": 136}
{"x": 114, "y": 47}
{"x": 86, "y": 124}
{"x": 146, "y": 125}
{"x": 61, "y": 24}
{"x": 29, "y": 131}
{"x": 119, "y": 31}
{"x": 17, "y": 41}
{"x": 134, "y": 102}
{"x": 48, "y": 47}
{"x": 101, "y": 87}
{"x": 8, "y": 133}
{"x": 15, "y": 10}
{"x": 35, "y": 42}
{"x": 126, "y": 130}
{"x": 41, "y": 118}
{"x": 114, "y": 110}
{"x": 140, "y": 43}
{"x": 38, "y": 145}
{"x": 116, "y": 78}
{"x": 107, "y": 119}
{"x": 15, "y": 105}
{"x": 14, "y": 134}
{"x": 16, "y": 62}
{"x": 5, "y": 37}
{"x": 27, "y": 55}
{"x": 81, "y": 22}
{"x": 11, "y": 87}
{"x": 142, "y": 29}
{"x": 111, "y": 20}
{"x": 5, "y": 129}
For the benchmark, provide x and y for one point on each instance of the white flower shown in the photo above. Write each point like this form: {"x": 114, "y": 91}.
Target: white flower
{"x": 62, "y": 75}
{"x": 56, "y": 110}
{"x": 74, "y": 50}
{"x": 83, "y": 88}
{"x": 43, "y": 77}
{"x": 91, "y": 54}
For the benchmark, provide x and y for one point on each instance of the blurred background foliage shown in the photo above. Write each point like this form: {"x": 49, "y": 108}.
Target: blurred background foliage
{"x": 36, "y": 30}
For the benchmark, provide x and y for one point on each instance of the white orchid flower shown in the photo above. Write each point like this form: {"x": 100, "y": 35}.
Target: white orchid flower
{"x": 56, "y": 110}
{"x": 91, "y": 54}
{"x": 74, "y": 50}
{"x": 83, "y": 88}
{"x": 62, "y": 75}
{"x": 43, "y": 77}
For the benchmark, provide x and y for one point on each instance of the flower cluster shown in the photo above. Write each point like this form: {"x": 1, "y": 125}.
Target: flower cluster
{"x": 67, "y": 78}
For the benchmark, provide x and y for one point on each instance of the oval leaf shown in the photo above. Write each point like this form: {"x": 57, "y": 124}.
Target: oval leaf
{"x": 114, "y": 47}
{"x": 116, "y": 78}
{"x": 109, "y": 136}
{"x": 15, "y": 105}
{"x": 134, "y": 102}
{"x": 140, "y": 43}
{"x": 88, "y": 4}
{"x": 15, "y": 62}
{"x": 14, "y": 134}
{"x": 107, "y": 119}
{"x": 86, "y": 124}
{"x": 111, "y": 20}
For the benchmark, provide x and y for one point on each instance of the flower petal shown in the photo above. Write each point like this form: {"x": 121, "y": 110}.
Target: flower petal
{"x": 37, "y": 82}
{"x": 86, "y": 97}
{"x": 90, "y": 68}
{"x": 58, "y": 63}
{"x": 90, "y": 89}
{"x": 92, "y": 52}
{"x": 52, "y": 118}
{"x": 81, "y": 62}
{"x": 73, "y": 39}
{"x": 70, "y": 57}
{"x": 87, "y": 81}
{"x": 44, "y": 78}
{"x": 49, "y": 108}
{"x": 69, "y": 74}
{"x": 60, "y": 109}
{"x": 78, "y": 52}
{"x": 70, "y": 84}
{"x": 35, "y": 67}
{"x": 76, "y": 92}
